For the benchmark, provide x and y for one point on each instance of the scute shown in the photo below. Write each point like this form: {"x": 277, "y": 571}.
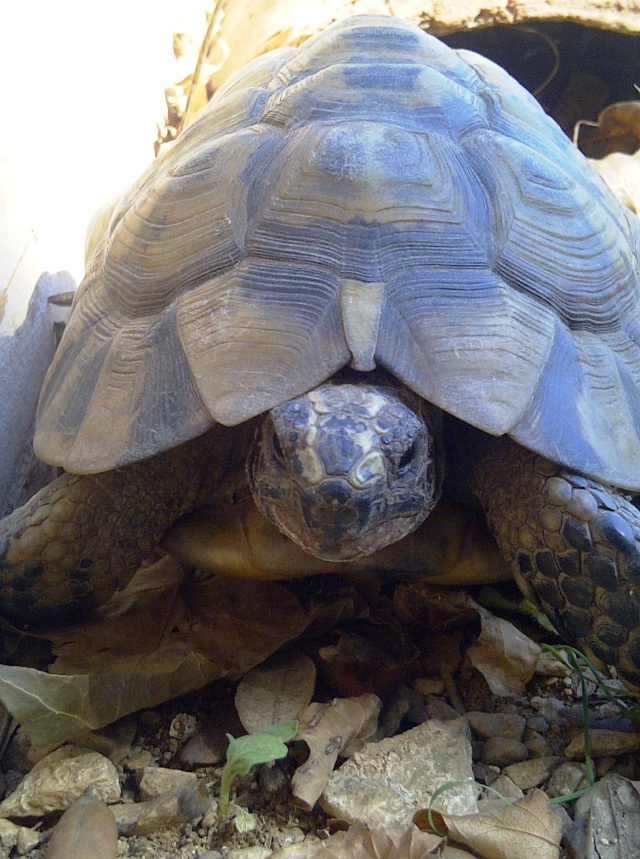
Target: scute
{"x": 371, "y": 174}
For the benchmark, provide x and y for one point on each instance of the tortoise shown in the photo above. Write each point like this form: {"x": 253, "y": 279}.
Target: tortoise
{"x": 371, "y": 274}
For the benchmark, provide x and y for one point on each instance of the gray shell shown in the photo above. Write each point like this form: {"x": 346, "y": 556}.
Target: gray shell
{"x": 372, "y": 198}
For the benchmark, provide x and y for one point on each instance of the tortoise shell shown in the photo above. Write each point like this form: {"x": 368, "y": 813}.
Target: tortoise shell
{"x": 372, "y": 198}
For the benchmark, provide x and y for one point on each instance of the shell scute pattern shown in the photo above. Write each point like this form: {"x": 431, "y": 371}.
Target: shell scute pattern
{"x": 372, "y": 161}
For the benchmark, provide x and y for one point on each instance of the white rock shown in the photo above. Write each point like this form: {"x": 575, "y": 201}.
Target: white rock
{"x": 387, "y": 782}
{"x": 59, "y": 779}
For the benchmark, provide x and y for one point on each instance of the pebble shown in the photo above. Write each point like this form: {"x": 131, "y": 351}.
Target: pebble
{"x": 485, "y": 773}
{"x": 57, "y": 780}
{"x": 528, "y": 774}
{"x": 171, "y": 809}
{"x": 506, "y": 788}
{"x": 551, "y": 709}
{"x": 568, "y": 778}
{"x": 502, "y": 751}
{"x": 538, "y": 724}
{"x": 602, "y": 744}
{"x": 28, "y": 840}
{"x": 486, "y": 725}
{"x": 537, "y": 745}
{"x": 8, "y": 835}
{"x": 154, "y": 781}
{"x": 256, "y": 852}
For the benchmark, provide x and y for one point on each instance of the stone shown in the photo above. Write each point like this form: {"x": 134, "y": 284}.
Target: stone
{"x": 528, "y": 774}
{"x": 57, "y": 780}
{"x": 256, "y": 852}
{"x": 506, "y": 788}
{"x": 154, "y": 781}
{"x": 173, "y": 808}
{"x": 568, "y": 778}
{"x": 502, "y": 751}
{"x": 603, "y": 743}
{"x": 387, "y": 782}
{"x": 486, "y": 725}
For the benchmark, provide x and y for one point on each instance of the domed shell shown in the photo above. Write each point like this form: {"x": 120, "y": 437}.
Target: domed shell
{"x": 371, "y": 198}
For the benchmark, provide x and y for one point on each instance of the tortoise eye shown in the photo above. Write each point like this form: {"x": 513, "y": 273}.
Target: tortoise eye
{"x": 406, "y": 459}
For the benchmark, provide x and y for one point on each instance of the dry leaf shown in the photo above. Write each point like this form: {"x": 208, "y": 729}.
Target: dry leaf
{"x": 505, "y": 656}
{"x": 607, "y": 821}
{"x": 163, "y": 615}
{"x": 276, "y": 691}
{"x": 161, "y": 637}
{"x": 621, "y": 172}
{"x": 87, "y": 830}
{"x": 359, "y": 843}
{"x": 521, "y": 830}
{"x": 328, "y": 729}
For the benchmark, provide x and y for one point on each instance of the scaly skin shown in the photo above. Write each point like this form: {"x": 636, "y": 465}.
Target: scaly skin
{"x": 81, "y": 538}
{"x": 574, "y": 547}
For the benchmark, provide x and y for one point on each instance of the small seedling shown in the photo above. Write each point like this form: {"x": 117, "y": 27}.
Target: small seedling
{"x": 246, "y": 752}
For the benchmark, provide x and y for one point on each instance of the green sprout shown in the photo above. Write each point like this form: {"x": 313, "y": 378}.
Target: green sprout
{"x": 246, "y": 752}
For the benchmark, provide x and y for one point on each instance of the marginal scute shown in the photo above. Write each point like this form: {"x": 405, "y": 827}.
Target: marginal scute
{"x": 371, "y": 198}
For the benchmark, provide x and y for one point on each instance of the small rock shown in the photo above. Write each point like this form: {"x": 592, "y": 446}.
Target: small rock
{"x": 603, "y": 765}
{"x": 59, "y": 779}
{"x": 28, "y": 840}
{"x": 601, "y": 744}
{"x": 139, "y": 761}
{"x": 528, "y": 774}
{"x": 250, "y": 853}
{"x": 154, "y": 781}
{"x": 549, "y": 665}
{"x": 487, "y": 725}
{"x": 173, "y": 808}
{"x": 387, "y": 782}
{"x": 566, "y": 779}
{"x": 438, "y": 709}
{"x": 292, "y": 835}
{"x": 551, "y": 709}
{"x": 502, "y": 751}
{"x": 506, "y": 788}
{"x": 9, "y": 835}
{"x": 538, "y": 724}
{"x": 484, "y": 773}
{"x": 537, "y": 745}
{"x": 183, "y": 726}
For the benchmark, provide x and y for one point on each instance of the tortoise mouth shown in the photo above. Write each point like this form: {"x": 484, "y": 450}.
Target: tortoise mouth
{"x": 346, "y": 469}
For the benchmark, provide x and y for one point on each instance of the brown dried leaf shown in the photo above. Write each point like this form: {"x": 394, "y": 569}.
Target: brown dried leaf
{"x": 504, "y": 655}
{"x": 87, "y": 830}
{"x": 161, "y": 637}
{"x": 359, "y": 843}
{"x": 163, "y": 615}
{"x": 621, "y": 172}
{"x": 276, "y": 691}
{"x": 520, "y": 830}
{"x": 328, "y": 729}
{"x": 607, "y": 820}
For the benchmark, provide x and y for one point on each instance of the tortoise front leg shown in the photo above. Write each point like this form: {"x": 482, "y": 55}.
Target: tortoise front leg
{"x": 81, "y": 538}
{"x": 574, "y": 547}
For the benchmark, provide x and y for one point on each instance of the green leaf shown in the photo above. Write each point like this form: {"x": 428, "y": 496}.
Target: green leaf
{"x": 248, "y": 751}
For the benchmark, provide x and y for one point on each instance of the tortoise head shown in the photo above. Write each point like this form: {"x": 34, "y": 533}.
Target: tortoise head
{"x": 346, "y": 469}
